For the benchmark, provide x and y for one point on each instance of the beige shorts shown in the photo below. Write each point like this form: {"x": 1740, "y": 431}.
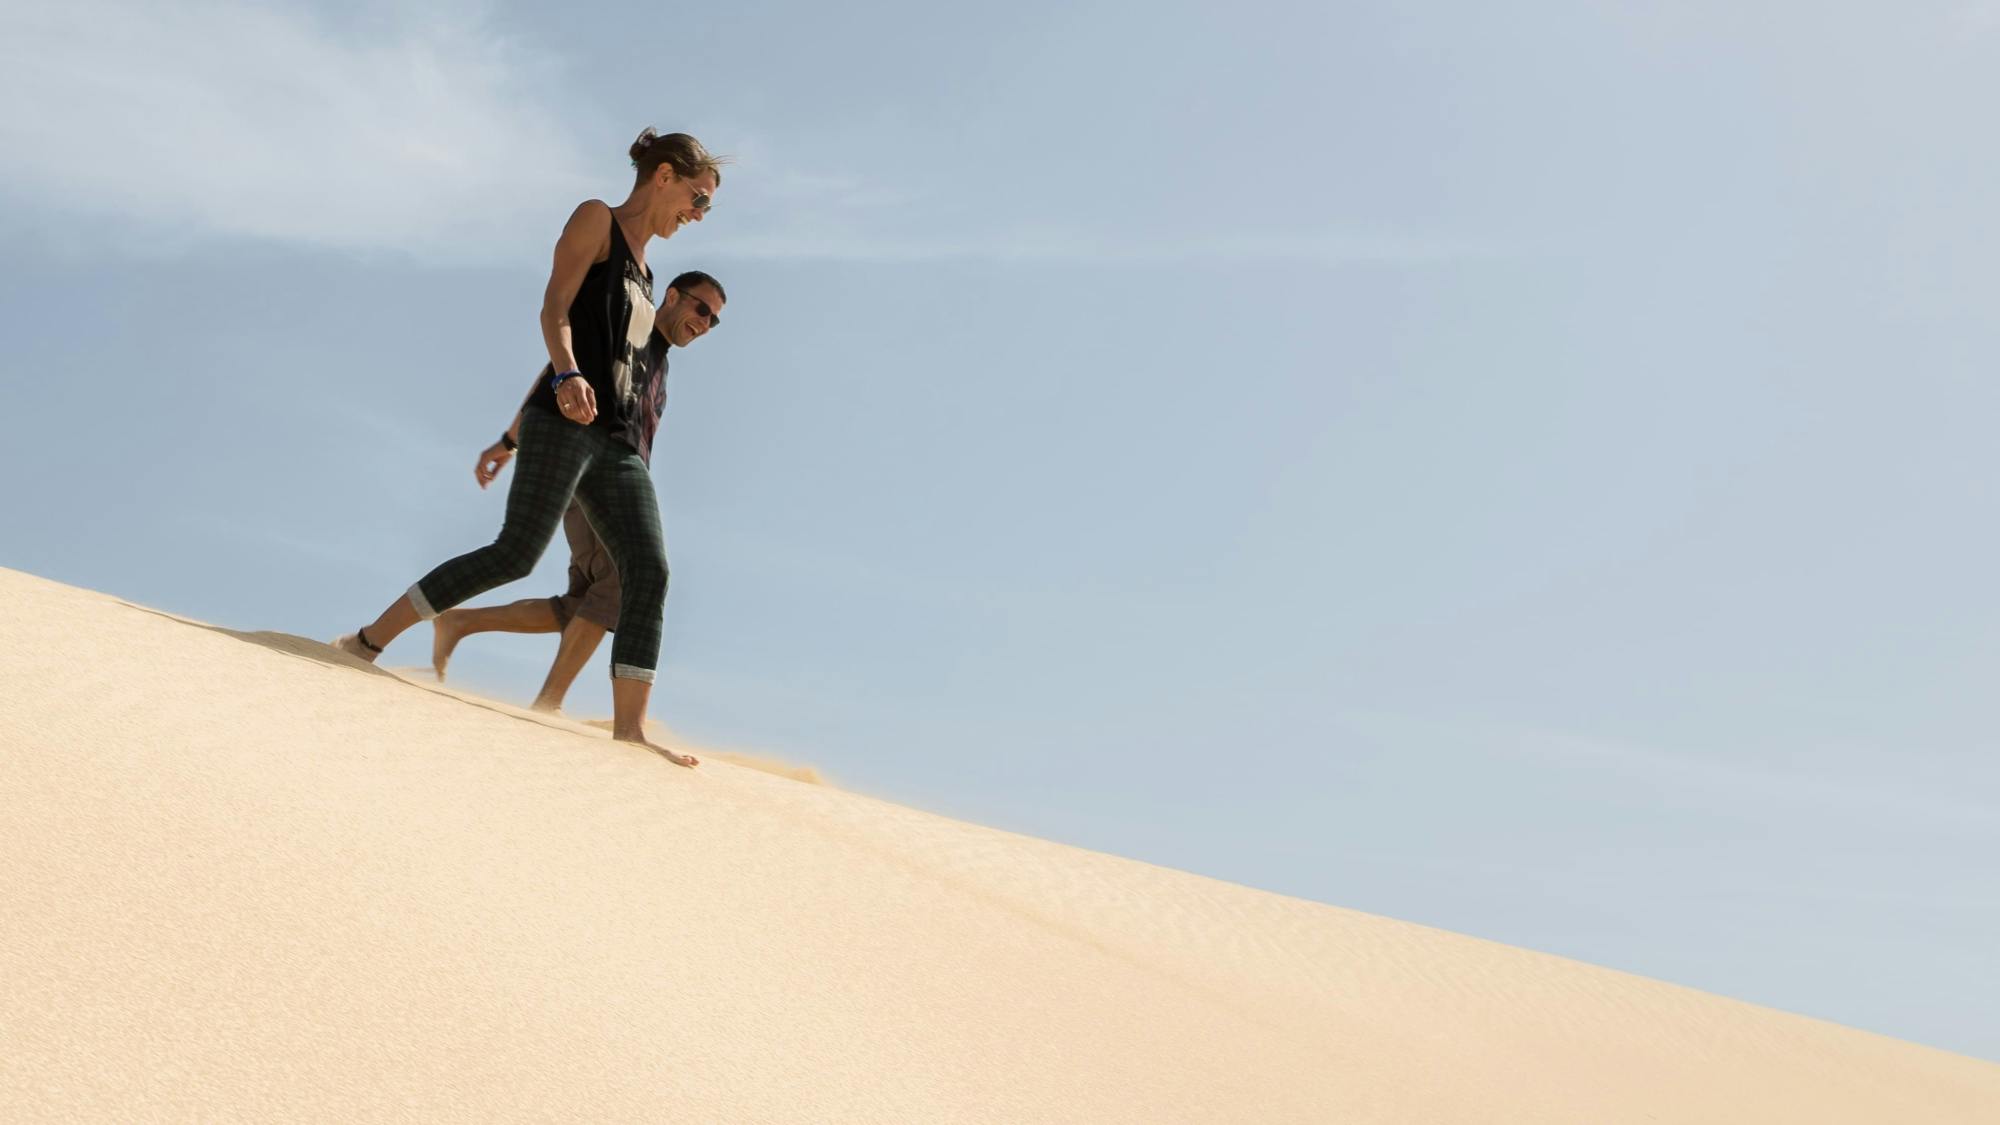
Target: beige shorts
{"x": 593, "y": 579}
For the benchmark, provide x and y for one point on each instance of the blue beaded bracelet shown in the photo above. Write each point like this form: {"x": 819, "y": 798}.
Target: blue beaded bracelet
{"x": 556, "y": 381}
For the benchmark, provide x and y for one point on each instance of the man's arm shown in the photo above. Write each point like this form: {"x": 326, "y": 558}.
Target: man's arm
{"x": 496, "y": 456}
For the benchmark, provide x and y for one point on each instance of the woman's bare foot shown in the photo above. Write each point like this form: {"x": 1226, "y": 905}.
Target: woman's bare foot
{"x": 628, "y": 718}
{"x": 688, "y": 760}
{"x": 445, "y": 635}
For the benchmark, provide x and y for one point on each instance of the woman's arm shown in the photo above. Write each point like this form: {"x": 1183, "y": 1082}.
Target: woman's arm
{"x": 586, "y": 238}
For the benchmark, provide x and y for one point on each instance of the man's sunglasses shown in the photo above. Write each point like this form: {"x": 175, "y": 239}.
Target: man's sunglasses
{"x": 701, "y": 200}
{"x": 701, "y": 307}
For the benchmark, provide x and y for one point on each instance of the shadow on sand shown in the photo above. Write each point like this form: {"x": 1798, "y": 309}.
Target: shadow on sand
{"x": 319, "y": 652}
{"x": 305, "y": 648}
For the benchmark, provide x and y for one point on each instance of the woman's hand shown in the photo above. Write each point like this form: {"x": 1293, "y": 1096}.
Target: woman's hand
{"x": 576, "y": 400}
{"x": 491, "y": 462}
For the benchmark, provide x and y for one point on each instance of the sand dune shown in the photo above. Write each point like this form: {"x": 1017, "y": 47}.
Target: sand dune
{"x": 248, "y": 879}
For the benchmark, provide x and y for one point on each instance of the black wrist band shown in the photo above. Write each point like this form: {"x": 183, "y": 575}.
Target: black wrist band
{"x": 508, "y": 441}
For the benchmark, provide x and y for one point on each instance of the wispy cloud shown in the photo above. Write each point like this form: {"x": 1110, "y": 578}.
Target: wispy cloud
{"x": 262, "y": 535}
{"x": 779, "y": 209}
{"x": 1872, "y": 783}
{"x": 434, "y": 134}
{"x": 1877, "y": 783}
{"x": 837, "y": 242}
{"x": 221, "y": 118}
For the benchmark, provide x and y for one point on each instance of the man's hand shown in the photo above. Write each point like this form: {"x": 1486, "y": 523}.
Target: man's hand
{"x": 577, "y": 401}
{"x": 491, "y": 462}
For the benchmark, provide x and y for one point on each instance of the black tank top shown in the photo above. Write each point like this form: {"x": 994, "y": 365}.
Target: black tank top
{"x": 610, "y": 323}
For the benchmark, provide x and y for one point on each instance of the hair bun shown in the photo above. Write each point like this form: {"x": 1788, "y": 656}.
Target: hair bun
{"x": 646, "y": 138}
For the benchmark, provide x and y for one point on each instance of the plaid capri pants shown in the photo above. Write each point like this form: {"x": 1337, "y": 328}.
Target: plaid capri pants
{"x": 559, "y": 459}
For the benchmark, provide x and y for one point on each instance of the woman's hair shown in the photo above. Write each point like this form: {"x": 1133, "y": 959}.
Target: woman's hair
{"x": 678, "y": 151}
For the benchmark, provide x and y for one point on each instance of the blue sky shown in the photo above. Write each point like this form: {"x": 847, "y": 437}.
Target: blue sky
{"x": 1527, "y": 471}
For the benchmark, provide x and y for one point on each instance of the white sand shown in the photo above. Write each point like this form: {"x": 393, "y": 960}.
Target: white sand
{"x": 247, "y": 879}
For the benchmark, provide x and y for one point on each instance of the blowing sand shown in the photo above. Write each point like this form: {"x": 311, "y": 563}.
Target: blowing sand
{"x": 245, "y": 878}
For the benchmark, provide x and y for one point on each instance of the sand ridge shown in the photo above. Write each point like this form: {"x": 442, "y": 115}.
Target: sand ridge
{"x": 250, "y": 879}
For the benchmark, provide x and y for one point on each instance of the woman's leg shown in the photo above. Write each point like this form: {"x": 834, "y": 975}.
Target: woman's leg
{"x": 554, "y": 454}
{"x": 617, "y": 495}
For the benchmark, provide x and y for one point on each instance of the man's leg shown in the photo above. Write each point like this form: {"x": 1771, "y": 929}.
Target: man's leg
{"x": 579, "y": 640}
{"x": 588, "y": 611}
{"x": 529, "y": 615}
{"x": 617, "y": 495}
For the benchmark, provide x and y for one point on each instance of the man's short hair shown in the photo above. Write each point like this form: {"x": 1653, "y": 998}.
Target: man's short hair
{"x": 687, "y": 281}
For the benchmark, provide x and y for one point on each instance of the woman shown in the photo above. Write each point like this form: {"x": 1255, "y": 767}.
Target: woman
{"x": 581, "y": 428}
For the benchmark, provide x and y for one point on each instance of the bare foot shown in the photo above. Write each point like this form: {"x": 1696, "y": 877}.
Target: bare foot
{"x": 353, "y": 645}
{"x": 445, "y": 636}
{"x": 546, "y": 706}
{"x": 688, "y": 760}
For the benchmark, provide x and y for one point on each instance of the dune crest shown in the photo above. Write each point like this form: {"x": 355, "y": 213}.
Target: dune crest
{"x": 249, "y": 880}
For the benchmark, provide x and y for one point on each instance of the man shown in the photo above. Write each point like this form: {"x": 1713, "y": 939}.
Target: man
{"x": 591, "y": 606}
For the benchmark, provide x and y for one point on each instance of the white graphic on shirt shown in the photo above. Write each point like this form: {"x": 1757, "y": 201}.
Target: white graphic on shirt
{"x": 638, "y": 330}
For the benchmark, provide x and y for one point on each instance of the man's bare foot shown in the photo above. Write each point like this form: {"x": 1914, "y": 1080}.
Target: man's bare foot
{"x": 353, "y": 645}
{"x": 546, "y": 706}
{"x": 445, "y": 635}
{"x": 688, "y": 760}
